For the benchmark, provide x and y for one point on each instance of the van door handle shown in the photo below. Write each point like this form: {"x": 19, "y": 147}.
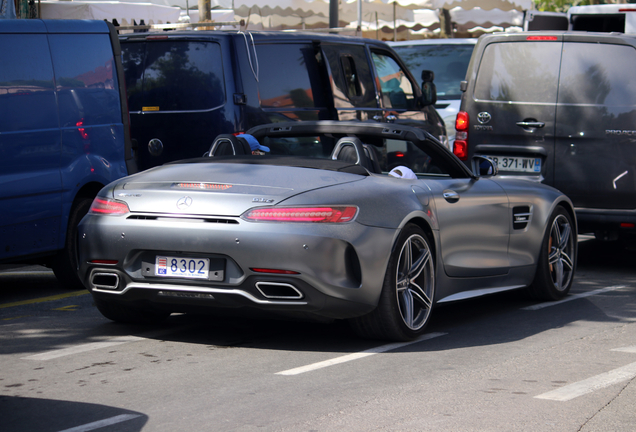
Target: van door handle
{"x": 450, "y": 195}
{"x": 530, "y": 124}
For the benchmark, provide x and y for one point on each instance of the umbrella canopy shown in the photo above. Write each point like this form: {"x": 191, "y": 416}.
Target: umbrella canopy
{"x": 124, "y": 12}
{"x": 312, "y": 13}
{"x": 472, "y": 22}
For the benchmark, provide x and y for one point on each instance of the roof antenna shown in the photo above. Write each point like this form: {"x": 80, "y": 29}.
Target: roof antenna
{"x": 249, "y": 55}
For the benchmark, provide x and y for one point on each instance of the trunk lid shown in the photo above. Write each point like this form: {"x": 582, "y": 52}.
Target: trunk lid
{"x": 220, "y": 189}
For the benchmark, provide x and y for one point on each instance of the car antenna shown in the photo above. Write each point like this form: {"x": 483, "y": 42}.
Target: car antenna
{"x": 249, "y": 55}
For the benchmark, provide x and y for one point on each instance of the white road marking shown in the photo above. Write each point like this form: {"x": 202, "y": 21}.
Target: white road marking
{"x": 589, "y": 385}
{"x": 631, "y": 349}
{"x": 102, "y": 423}
{"x": 356, "y": 356}
{"x": 574, "y": 297}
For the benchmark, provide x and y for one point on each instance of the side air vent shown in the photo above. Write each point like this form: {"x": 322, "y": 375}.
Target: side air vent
{"x": 521, "y": 217}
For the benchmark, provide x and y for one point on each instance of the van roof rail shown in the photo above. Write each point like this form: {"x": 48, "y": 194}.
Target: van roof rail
{"x": 180, "y": 26}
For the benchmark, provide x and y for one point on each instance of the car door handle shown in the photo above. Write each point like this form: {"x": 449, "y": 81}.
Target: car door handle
{"x": 530, "y": 124}
{"x": 378, "y": 118}
{"x": 450, "y": 195}
{"x": 391, "y": 118}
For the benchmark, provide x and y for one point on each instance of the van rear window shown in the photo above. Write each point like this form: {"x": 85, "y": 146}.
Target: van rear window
{"x": 599, "y": 74}
{"x": 519, "y": 72}
{"x": 173, "y": 76}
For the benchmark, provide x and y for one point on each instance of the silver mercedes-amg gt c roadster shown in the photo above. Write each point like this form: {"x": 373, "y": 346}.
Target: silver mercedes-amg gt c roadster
{"x": 375, "y": 223}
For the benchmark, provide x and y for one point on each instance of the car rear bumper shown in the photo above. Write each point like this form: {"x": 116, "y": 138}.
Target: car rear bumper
{"x": 335, "y": 271}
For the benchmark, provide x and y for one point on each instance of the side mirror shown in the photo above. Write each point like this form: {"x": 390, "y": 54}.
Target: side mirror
{"x": 428, "y": 76}
{"x": 483, "y": 166}
{"x": 429, "y": 91}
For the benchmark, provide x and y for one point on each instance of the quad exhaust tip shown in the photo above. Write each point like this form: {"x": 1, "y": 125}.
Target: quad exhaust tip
{"x": 276, "y": 290}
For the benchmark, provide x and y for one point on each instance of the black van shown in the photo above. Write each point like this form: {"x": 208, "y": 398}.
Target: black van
{"x": 187, "y": 87}
{"x": 558, "y": 107}
{"x": 64, "y": 135}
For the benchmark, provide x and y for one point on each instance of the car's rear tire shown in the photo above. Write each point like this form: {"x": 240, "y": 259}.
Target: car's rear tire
{"x": 118, "y": 312}
{"x": 65, "y": 264}
{"x": 557, "y": 259}
{"x": 406, "y": 300}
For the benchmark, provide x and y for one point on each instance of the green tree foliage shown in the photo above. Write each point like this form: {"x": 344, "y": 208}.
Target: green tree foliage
{"x": 561, "y": 5}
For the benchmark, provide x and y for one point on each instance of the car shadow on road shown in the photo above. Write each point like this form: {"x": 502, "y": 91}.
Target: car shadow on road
{"x": 490, "y": 320}
{"x": 21, "y": 414}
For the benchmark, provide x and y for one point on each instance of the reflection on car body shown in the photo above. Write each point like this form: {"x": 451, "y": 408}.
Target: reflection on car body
{"x": 318, "y": 228}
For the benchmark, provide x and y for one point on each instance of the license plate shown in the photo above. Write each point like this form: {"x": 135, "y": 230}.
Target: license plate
{"x": 194, "y": 268}
{"x": 518, "y": 164}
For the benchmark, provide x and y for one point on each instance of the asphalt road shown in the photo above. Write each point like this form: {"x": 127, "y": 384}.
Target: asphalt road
{"x": 499, "y": 363}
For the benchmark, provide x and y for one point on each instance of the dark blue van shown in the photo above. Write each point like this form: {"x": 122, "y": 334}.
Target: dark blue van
{"x": 186, "y": 87}
{"x": 64, "y": 134}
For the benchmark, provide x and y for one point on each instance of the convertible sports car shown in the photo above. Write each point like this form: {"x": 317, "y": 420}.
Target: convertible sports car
{"x": 317, "y": 227}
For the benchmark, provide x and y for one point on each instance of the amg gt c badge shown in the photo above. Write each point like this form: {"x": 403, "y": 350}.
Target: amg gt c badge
{"x": 184, "y": 202}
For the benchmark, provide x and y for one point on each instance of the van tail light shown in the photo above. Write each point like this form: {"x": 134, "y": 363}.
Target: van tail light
{"x": 460, "y": 146}
{"x": 461, "y": 121}
{"x": 542, "y": 38}
{"x": 106, "y": 206}
{"x": 336, "y": 214}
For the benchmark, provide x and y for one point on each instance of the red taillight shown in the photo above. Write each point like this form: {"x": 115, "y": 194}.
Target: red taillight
{"x": 627, "y": 225}
{"x": 542, "y": 38}
{"x": 460, "y": 148}
{"x": 105, "y": 206}
{"x": 302, "y": 214}
{"x": 274, "y": 271}
{"x": 103, "y": 261}
{"x": 461, "y": 121}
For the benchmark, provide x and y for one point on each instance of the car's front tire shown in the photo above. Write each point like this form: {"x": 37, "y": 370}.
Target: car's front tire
{"x": 119, "y": 312}
{"x": 557, "y": 259}
{"x": 406, "y": 301}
